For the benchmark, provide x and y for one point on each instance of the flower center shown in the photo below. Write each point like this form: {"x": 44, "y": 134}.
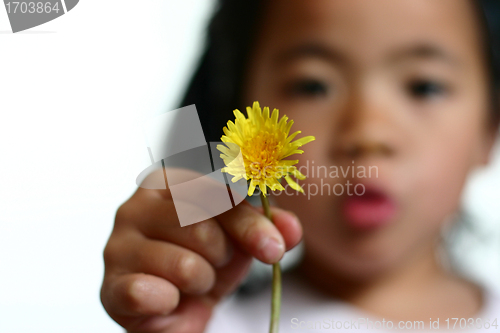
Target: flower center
{"x": 260, "y": 155}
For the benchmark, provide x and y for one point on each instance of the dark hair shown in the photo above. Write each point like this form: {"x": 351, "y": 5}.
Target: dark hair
{"x": 489, "y": 12}
{"x": 216, "y": 87}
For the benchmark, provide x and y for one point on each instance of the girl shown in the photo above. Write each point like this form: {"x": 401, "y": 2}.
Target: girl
{"x": 406, "y": 88}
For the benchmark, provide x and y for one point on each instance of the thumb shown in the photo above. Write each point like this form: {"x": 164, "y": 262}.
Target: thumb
{"x": 288, "y": 225}
{"x": 231, "y": 275}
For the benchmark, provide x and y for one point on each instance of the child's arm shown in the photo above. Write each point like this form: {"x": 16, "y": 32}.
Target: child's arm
{"x": 160, "y": 277}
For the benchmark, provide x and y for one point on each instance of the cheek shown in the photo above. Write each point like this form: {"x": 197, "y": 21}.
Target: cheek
{"x": 434, "y": 174}
{"x": 439, "y": 170}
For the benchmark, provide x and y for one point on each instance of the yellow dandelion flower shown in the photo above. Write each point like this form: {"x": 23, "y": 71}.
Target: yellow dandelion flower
{"x": 264, "y": 143}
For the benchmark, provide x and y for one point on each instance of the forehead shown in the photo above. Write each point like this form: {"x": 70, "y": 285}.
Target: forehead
{"x": 366, "y": 29}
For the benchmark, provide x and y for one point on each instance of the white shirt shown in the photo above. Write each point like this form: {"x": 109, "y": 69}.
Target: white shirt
{"x": 304, "y": 309}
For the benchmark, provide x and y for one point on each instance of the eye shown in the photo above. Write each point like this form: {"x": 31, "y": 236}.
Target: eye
{"x": 425, "y": 89}
{"x": 308, "y": 88}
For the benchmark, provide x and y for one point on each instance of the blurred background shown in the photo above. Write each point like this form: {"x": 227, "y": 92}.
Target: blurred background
{"x": 73, "y": 93}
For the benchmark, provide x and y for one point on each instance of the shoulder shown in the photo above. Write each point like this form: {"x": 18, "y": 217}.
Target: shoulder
{"x": 491, "y": 305}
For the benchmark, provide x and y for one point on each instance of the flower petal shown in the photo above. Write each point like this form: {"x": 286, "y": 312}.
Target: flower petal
{"x": 293, "y": 184}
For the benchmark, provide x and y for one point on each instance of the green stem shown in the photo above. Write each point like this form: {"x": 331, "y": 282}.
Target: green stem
{"x": 276, "y": 292}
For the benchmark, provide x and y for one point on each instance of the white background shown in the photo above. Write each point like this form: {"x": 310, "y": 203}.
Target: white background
{"x": 72, "y": 94}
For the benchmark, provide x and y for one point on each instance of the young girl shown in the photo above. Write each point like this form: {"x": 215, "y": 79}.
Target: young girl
{"x": 406, "y": 88}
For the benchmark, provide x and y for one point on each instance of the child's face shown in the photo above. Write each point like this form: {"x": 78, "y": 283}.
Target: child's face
{"x": 396, "y": 85}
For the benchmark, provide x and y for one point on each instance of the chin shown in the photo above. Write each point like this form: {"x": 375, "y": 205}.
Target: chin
{"x": 348, "y": 266}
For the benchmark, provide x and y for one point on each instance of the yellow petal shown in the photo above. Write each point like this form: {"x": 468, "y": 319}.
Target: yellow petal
{"x": 251, "y": 188}
{"x": 293, "y": 184}
{"x": 262, "y": 140}
{"x": 304, "y": 140}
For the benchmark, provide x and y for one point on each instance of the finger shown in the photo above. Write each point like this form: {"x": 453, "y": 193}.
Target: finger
{"x": 253, "y": 232}
{"x": 288, "y": 225}
{"x": 187, "y": 270}
{"x": 191, "y": 316}
{"x": 139, "y": 294}
{"x": 230, "y": 276}
{"x": 205, "y": 238}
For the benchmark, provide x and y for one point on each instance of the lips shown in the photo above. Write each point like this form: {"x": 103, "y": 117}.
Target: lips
{"x": 373, "y": 209}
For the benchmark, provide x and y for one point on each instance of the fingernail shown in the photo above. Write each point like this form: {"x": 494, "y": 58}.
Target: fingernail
{"x": 271, "y": 249}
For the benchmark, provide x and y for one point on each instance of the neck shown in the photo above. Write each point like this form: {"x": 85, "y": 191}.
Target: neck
{"x": 420, "y": 278}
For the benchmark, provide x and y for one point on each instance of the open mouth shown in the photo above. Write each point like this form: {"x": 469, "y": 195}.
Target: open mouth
{"x": 372, "y": 209}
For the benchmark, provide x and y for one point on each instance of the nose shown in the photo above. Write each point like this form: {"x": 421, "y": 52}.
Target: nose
{"x": 366, "y": 128}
